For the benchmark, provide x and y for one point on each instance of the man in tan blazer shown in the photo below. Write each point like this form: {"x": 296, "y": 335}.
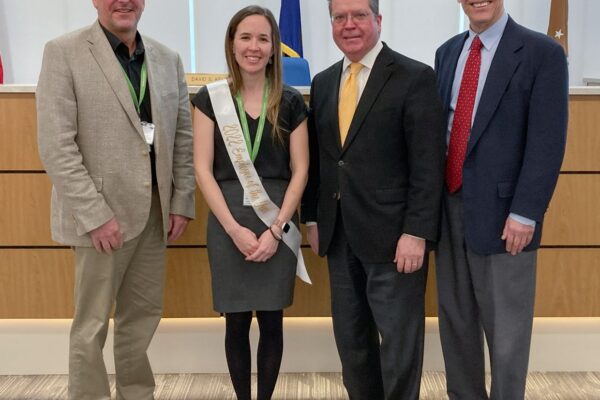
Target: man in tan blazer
{"x": 122, "y": 187}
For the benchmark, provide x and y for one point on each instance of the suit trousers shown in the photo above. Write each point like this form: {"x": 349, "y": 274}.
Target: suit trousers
{"x": 482, "y": 294}
{"x": 378, "y": 322}
{"x": 132, "y": 280}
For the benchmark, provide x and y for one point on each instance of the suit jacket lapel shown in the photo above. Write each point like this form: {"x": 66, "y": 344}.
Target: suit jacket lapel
{"x": 334, "y": 101}
{"x": 106, "y": 59}
{"x": 154, "y": 80}
{"x": 377, "y": 79}
{"x": 449, "y": 70}
{"x": 505, "y": 62}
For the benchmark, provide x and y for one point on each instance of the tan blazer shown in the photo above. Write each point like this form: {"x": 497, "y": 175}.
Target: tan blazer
{"x": 91, "y": 142}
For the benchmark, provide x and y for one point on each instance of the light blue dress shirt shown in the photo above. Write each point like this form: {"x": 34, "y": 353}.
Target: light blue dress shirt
{"x": 490, "y": 39}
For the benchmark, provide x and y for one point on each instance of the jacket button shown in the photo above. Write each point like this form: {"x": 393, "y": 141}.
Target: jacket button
{"x": 146, "y": 184}
{"x": 334, "y": 195}
{"x": 341, "y": 163}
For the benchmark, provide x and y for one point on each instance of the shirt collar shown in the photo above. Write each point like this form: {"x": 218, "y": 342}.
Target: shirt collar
{"x": 119, "y": 47}
{"x": 369, "y": 59}
{"x": 491, "y": 36}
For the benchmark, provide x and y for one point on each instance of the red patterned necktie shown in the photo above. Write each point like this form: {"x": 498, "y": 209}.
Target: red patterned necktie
{"x": 461, "y": 125}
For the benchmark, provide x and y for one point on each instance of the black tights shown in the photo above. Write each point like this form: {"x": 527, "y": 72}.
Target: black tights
{"x": 270, "y": 350}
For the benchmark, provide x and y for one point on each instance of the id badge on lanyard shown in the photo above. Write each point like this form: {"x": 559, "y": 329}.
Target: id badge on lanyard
{"x": 252, "y": 147}
{"x": 148, "y": 128}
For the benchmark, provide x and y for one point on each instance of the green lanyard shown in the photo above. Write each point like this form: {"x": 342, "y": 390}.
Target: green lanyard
{"x": 143, "y": 83}
{"x": 253, "y": 148}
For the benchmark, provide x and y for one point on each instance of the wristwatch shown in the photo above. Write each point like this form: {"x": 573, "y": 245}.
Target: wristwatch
{"x": 285, "y": 227}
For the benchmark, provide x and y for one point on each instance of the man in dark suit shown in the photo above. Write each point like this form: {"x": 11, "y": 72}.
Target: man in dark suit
{"x": 505, "y": 92}
{"x": 373, "y": 200}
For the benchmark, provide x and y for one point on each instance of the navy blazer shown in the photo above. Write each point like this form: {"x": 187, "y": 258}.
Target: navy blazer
{"x": 517, "y": 140}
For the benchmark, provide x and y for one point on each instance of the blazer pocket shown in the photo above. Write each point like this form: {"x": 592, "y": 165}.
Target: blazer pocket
{"x": 506, "y": 189}
{"x": 97, "y": 182}
{"x": 388, "y": 196}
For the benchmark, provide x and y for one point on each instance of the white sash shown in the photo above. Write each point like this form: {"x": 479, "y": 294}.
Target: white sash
{"x": 266, "y": 210}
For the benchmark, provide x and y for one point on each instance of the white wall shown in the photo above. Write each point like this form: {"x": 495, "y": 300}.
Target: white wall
{"x": 584, "y": 32}
{"x": 26, "y": 25}
{"x": 195, "y": 345}
{"x": 415, "y": 28}
{"x": 403, "y": 22}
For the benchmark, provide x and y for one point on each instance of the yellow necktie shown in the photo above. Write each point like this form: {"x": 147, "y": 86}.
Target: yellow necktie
{"x": 348, "y": 100}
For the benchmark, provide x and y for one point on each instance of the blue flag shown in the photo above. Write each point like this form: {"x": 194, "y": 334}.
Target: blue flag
{"x": 290, "y": 26}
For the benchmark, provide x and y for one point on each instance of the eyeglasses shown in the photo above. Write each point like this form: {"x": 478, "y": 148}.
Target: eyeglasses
{"x": 356, "y": 17}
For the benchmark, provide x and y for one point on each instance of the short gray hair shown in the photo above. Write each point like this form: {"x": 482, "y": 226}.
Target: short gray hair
{"x": 373, "y": 5}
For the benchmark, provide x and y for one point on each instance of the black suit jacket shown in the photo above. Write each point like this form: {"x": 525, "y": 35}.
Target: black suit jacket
{"x": 388, "y": 175}
{"x": 517, "y": 141}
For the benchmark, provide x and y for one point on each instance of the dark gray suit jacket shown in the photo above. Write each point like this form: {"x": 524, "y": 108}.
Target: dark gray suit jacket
{"x": 388, "y": 176}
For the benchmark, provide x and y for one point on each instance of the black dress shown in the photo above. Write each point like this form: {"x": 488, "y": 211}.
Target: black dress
{"x": 239, "y": 285}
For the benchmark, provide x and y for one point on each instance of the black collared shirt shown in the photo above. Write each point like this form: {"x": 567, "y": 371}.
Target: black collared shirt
{"x": 132, "y": 65}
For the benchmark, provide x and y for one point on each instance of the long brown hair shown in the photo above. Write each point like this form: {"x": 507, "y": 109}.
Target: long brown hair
{"x": 273, "y": 73}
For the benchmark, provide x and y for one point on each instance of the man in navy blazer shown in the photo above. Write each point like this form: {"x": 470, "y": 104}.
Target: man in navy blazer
{"x": 491, "y": 225}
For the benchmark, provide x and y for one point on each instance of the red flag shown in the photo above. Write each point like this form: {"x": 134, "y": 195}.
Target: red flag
{"x": 1, "y": 72}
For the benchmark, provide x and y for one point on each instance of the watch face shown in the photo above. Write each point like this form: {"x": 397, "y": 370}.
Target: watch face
{"x": 286, "y": 227}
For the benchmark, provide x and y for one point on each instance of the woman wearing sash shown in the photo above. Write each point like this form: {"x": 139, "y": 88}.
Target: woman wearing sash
{"x": 251, "y": 268}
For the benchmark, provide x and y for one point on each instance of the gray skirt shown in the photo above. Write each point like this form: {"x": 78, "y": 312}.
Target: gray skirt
{"x": 239, "y": 285}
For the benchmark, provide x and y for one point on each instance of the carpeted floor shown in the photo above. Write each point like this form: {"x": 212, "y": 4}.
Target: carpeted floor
{"x": 321, "y": 386}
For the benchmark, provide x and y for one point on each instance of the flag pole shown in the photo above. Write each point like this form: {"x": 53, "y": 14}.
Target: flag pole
{"x": 558, "y": 23}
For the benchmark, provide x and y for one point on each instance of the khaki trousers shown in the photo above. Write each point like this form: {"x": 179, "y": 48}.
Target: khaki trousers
{"x": 132, "y": 280}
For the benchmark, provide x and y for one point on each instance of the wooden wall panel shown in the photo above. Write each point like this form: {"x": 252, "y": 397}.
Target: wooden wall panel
{"x": 39, "y": 284}
{"x": 573, "y": 217}
{"x": 187, "y": 290}
{"x": 18, "y": 137}
{"x": 583, "y": 141}
{"x": 36, "y": 283}
{"x": 312, "y": 300}
{"x": 25, "y": 200}
{"x": 195, "y": 234}
{"x": 431, "y": 296}
{"x": 25, "y": 210}
{"x": 568, "y": 283}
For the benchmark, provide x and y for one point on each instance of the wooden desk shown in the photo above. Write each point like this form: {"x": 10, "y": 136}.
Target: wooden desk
{"x": 36, "y": 274}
